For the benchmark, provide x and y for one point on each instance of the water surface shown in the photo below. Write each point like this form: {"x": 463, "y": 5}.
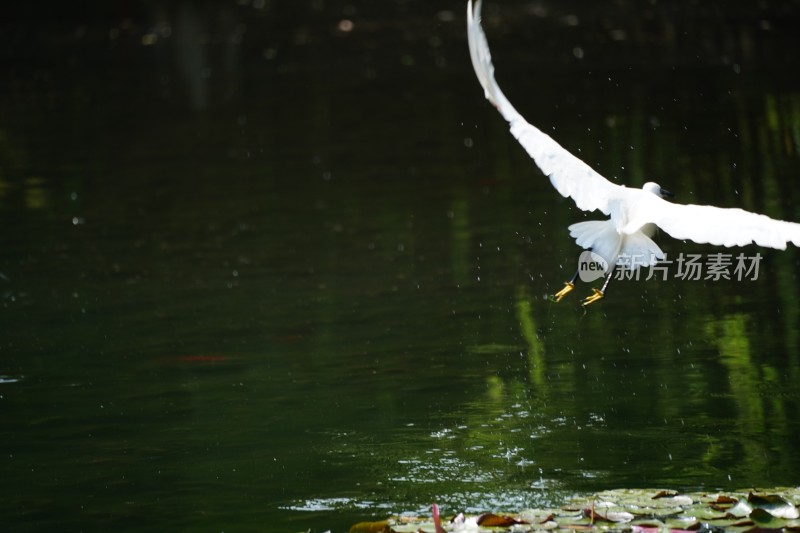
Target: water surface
{"x": 311, "y": 289}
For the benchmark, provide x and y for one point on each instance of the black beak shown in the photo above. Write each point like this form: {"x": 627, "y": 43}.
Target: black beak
{"x": 665, "y": 193}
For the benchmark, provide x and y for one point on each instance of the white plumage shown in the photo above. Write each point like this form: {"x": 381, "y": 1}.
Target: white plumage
{"x": 633, "y": 213}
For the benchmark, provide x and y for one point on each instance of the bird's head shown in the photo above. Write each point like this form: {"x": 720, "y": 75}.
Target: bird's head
{"x": 655, "y": 188}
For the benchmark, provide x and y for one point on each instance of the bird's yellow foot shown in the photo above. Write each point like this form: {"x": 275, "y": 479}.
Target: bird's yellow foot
{"x": 596, "y": 295}
{"x": 568, "y": 286}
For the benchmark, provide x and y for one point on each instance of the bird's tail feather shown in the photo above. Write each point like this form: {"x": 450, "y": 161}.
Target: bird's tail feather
{"x": 602, "y": 237}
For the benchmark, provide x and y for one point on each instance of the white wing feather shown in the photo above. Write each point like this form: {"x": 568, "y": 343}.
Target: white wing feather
{"x": 714, "y": 225}
{"x": 569, "y": 175}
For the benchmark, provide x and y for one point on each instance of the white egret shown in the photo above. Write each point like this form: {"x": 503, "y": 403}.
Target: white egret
{"x": 634, "y": 213}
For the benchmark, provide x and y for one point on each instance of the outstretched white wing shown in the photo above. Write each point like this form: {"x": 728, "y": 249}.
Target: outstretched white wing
{"x": 714, "y": 225}
{"x": 569, "y": 175}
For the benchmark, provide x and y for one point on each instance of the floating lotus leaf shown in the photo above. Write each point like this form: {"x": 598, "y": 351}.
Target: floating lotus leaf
{"x": 632, "y": 510}
{"x": 774, "y": 505}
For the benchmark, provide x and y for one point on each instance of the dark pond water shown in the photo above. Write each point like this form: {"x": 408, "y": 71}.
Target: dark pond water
{"x": 279, "y": 267}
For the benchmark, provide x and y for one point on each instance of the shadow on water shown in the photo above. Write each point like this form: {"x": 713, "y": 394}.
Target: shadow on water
{"x": 281, "y": 267}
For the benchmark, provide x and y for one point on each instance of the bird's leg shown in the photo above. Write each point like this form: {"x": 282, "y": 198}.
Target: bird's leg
{"x": 568, "y": 286}
{"x": 599, "y": 293}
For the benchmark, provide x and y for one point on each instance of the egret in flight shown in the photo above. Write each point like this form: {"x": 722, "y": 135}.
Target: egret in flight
{"x": 634, "y": 213}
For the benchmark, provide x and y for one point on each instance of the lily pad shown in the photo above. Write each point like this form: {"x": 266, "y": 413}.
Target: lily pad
{"x": 628, "y": 510}
{"x": 774, "y": 505}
